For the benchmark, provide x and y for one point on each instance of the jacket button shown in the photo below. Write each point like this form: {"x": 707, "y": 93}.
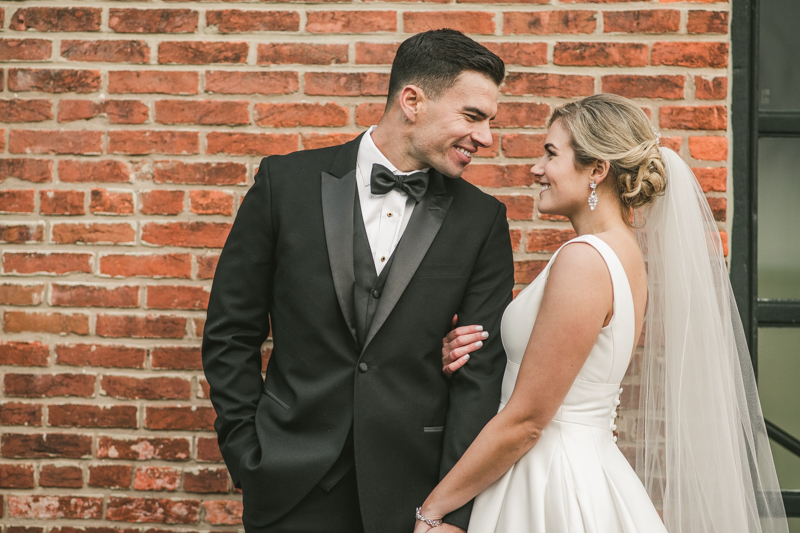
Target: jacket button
{"x": 362, "y": 367}
{"x": 376, "y": 293}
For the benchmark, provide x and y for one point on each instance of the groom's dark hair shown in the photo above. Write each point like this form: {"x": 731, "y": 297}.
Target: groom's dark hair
{"x": 433, "y": 61}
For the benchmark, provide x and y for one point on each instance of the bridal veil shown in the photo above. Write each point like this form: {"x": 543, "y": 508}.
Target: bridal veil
{"x": 702, "y": 446}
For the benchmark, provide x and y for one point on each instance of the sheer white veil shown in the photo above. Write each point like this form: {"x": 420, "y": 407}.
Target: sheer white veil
{"x": 702, "y": 447}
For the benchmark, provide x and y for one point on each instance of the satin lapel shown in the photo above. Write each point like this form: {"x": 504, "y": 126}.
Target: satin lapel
{"x": 338, "y": 197}
{"x": 427, "y": 218}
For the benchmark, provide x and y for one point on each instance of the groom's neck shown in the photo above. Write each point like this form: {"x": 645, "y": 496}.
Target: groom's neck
{"x": 394, "y": 143}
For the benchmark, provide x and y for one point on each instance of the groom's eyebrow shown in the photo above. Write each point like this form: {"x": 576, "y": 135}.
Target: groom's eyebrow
{"x": 477, "y": 111}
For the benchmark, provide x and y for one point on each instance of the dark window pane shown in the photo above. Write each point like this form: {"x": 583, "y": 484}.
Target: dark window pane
{"x": 778, "y": 218}
{"x": 778, "y": 68}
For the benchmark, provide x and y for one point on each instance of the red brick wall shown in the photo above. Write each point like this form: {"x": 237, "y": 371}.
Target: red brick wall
{"x": 130, "y": 134}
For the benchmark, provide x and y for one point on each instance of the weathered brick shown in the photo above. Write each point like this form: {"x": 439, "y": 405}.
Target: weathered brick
{"x": 144, "y": 448}
{"x": 712, "y": 178}
{"x": 61, "y": 476}
{"x": 152, "y": 20}
{"x": 105, "y": 202}
{"x": 313, "y": 141}
{"x": 153, "y": 81}
{"x": 72, "y": 171}
{"x": 475, "y": 22}
{"x": 222, "y": 512}
{"x": 157, "y": 478}
{"x": 92, "y": 416}
{"x": 523, "y": 144}
{"x": 713, "y": 117}
{"x": 20, "y": 414}
{"x": 103, "y": 355}
{"x": 352, "y": 22}
{"x": 207, "y": 112}
{"x": 187, "y": 234}
{"x": 147, "y": 265}
{"x": 347, "y": 84}
{"x": 540, "y": 84}
{"x": 106, "y": 51}
{"x": 34, "y": 170}
{"x": 141, "y": 327}
{"x": 261, "y": 144}
{"x": 61, "y": 203}
{"x": 709, "y": 148}
{"x": 211, "y": 202}
{"x": 56, "y": 19}
{"x": 201, "y": 52}
{"x": 152, "y": 510}
{"x": 46, "y": 262}
{"x": 21, "y": 233}
{"x": 176, "y": 358}
{"x": 24, "y": 353}
{"x": 301, "y": 114}
{"x": 18, "y": 294}
{"x": 644, "y": 21}
{"x": 711, "y": 88}
{"x": 206, "y": 265}
{"x": 53, "y": 80}
{"x": 58, "y": 323}
{"x": 82, "y": 295}
{"x": 634, "y": 86}
{"x": 707, "y": 22}
{"x": 160, "y": 388}
{"x": 518, "y": 207}
{"x": 16, "y": 476}
{"x": 177, "y": 296}
{"x": 239, "y": 21}
{"x": 499, "y": 175}
{"x": 25, "y": 50}
{"x": 208, "y": 450}
{"x": 549, "y": 22}
{"x": 374, "y": 53}
{"x": 53, "y": 507}
{"x": 110, "y": 476}
{"x": 161, "y": 202}
{"x": 17, "y": 201}
{"x": 226, "y": 82}
{"x": 94, "y": 233}
{"x": 117, "y": 111}
{"x": 141, "y": 142}
{"x": 18, "y": 110}
{"x": 719, "y": 208}
{"x": 524, "y": 54}
{"x": 600, "y": 54}
{"x": 55, "y": 142}
{"x": 206, "y": 480}
{"x": 301, "y": 53}
{"x": 526, "y": 271}
{"x": 48, "y": 385}
{"x": 694, "y": 55}
{"x": 369, "y": 114}
{"x": 178, "y": 418}
{"x": 37, "y": 445}
{"x": 521, "y": 115}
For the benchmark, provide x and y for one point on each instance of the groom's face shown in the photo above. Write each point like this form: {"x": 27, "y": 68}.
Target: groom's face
{"x": 450, "y": 129}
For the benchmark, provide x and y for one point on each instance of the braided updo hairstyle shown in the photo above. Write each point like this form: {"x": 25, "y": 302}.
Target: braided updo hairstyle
{"x": 607, "y": 127}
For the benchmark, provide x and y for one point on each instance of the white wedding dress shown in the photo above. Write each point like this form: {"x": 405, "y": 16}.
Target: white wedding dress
{"x": 575, "y": 479}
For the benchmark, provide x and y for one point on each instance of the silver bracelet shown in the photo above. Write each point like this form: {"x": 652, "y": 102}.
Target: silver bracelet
{"x": 430, "y": 521}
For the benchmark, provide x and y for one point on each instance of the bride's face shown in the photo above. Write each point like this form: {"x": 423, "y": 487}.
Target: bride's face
{"x": 565, "y": 187}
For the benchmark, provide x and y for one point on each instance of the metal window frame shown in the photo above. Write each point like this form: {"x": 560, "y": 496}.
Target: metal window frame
{"x": 748, "y": 126}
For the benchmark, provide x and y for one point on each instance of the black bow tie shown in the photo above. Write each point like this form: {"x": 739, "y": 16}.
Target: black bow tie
{"x": 383, "y": 181}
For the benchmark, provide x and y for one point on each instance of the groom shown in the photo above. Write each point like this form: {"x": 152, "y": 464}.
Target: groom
{"x": 358, "y": 256}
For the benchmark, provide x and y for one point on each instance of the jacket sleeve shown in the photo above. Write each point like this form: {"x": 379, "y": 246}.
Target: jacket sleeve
{"x": 475, "y": 387}
{"x": 237, "y": 322}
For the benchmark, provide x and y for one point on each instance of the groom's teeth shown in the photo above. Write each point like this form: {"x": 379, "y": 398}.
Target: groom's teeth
{"x": 469, "y": 155}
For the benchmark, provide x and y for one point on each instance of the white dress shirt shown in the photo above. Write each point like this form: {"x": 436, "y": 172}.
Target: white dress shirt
{"x": 385, "y": 215}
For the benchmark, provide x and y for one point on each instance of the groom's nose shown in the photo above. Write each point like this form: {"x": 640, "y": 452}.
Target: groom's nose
{"x": 483, "y": 135}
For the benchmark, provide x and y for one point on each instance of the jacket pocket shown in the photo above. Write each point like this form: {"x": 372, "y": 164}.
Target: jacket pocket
{"x": 277, "y": 400}
{"x": 433, "y": 429}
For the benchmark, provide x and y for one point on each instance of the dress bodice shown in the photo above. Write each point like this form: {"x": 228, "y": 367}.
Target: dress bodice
{"x": 595, "y": 393}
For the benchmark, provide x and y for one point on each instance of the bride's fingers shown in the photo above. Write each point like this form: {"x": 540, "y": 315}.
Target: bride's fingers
{"x": 450, "y": 369}
{"x": 463, "y": 330}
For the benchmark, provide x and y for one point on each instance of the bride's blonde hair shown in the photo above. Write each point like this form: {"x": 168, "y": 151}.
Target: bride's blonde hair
{"x": 607, "y": 127}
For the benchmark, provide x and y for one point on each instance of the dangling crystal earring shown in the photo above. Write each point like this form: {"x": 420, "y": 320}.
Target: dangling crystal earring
{"x": 593, "y": 196}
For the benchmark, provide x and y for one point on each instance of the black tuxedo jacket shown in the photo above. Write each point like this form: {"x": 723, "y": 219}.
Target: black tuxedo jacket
{"x": 288, "y": 261}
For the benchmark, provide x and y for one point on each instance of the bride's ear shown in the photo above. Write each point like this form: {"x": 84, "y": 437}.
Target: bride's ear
{"x": 599, "y": 171}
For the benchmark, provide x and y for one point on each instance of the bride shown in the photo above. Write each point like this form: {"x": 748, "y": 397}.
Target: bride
{"x": 647, "y": 252}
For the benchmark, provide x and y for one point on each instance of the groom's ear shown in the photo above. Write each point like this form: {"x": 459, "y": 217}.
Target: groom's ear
{"x": 411, "y": 101}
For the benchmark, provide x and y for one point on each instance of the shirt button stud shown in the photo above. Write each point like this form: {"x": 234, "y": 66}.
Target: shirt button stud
{"x": 383, "y": 259}
{"x": 362, "y": 367}
{"x": 389, "y": 215}
{"x": 376, "y": 293}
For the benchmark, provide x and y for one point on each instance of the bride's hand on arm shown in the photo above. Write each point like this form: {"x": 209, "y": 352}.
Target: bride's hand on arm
{"x": 577, "y": 302}
{"x": 458, "y": 344}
